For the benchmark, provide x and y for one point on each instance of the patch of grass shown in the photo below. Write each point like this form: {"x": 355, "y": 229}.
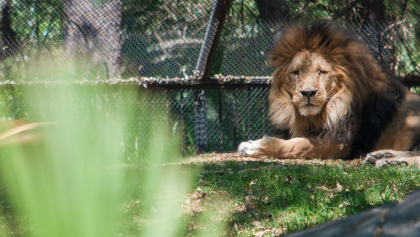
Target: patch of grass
{"x": 274, "y": 197}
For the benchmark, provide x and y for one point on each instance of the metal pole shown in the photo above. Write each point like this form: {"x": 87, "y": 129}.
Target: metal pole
{"x": 263, "y": 111}
{"x": 248, "y": 105}
{"x": 182, "y": 122}
{"x": 203, "y": 67}
{"x": 234, "y": 119}
{"x": 211, "y": 38}
{"x": 200, "y": 118}
{"x": 220, "y": 119}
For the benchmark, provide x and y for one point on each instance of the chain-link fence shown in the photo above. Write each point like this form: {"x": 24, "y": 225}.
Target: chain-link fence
{"x": 205, "y": 61}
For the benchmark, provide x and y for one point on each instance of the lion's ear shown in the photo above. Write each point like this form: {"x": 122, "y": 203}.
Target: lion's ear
{"x": 277, "y": 58}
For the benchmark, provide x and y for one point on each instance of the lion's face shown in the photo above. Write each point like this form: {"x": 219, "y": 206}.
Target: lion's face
{"x": 310, "y": 82}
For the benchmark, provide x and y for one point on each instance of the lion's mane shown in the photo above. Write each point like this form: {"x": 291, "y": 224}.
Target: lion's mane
{"x": 365, "y": 103}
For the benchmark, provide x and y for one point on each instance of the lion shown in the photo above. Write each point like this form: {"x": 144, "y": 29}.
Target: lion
{"x": 330, "y": 99}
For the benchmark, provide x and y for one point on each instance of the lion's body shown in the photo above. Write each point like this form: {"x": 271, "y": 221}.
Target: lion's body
{"x": 329, "y": 99}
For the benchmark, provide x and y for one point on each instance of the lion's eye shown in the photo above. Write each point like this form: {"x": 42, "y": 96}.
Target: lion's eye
{"x": 295, "y": 73}
{"x": 321, "y": 72}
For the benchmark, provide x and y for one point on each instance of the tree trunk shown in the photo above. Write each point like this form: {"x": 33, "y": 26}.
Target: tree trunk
{"x": 11, "y": 43}
{"x": 92, "y": 28}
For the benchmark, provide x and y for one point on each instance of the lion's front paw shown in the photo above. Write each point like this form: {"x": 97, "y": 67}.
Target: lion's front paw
{"x": 384, "y": 158}
{"x": 249, "y": 148}
{"x": 253, "y": 148}
{"x": 373, "y": 157}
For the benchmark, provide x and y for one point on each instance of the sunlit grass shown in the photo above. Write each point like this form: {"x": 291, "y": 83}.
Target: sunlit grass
{"x": 277, "y": 197}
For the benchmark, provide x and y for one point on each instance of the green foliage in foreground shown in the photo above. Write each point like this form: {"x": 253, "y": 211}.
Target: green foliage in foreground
{"x": 75, "y": 180}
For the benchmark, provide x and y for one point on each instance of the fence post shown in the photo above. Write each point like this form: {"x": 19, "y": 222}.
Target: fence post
{"x": 211, "y": 38}
{"x": 181, "y": 93}
{"x": 221, "y": 119}
{"x": 203, "y": 67}
{"x": 235, "y": 122}
{"x": 248, "y": 106}
{"x": 200, "y": 118}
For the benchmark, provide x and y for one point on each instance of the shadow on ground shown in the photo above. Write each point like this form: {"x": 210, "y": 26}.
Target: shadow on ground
{"x": 272, "y": 197}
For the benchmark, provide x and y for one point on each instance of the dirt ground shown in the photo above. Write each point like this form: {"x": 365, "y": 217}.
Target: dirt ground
{"x": 226, "y": 157}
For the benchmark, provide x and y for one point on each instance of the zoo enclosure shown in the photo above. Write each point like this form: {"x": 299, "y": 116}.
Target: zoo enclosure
{"x": 204, "y": 62}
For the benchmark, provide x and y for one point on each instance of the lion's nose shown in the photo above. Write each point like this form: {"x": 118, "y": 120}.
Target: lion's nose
{"x": 308, "y": 93}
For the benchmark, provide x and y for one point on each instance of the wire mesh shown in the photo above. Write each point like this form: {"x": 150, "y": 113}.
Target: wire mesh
{"x": 163, "y": 39}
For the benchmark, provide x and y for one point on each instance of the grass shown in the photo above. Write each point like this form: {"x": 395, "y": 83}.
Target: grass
{"x": 256, "y": 197}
